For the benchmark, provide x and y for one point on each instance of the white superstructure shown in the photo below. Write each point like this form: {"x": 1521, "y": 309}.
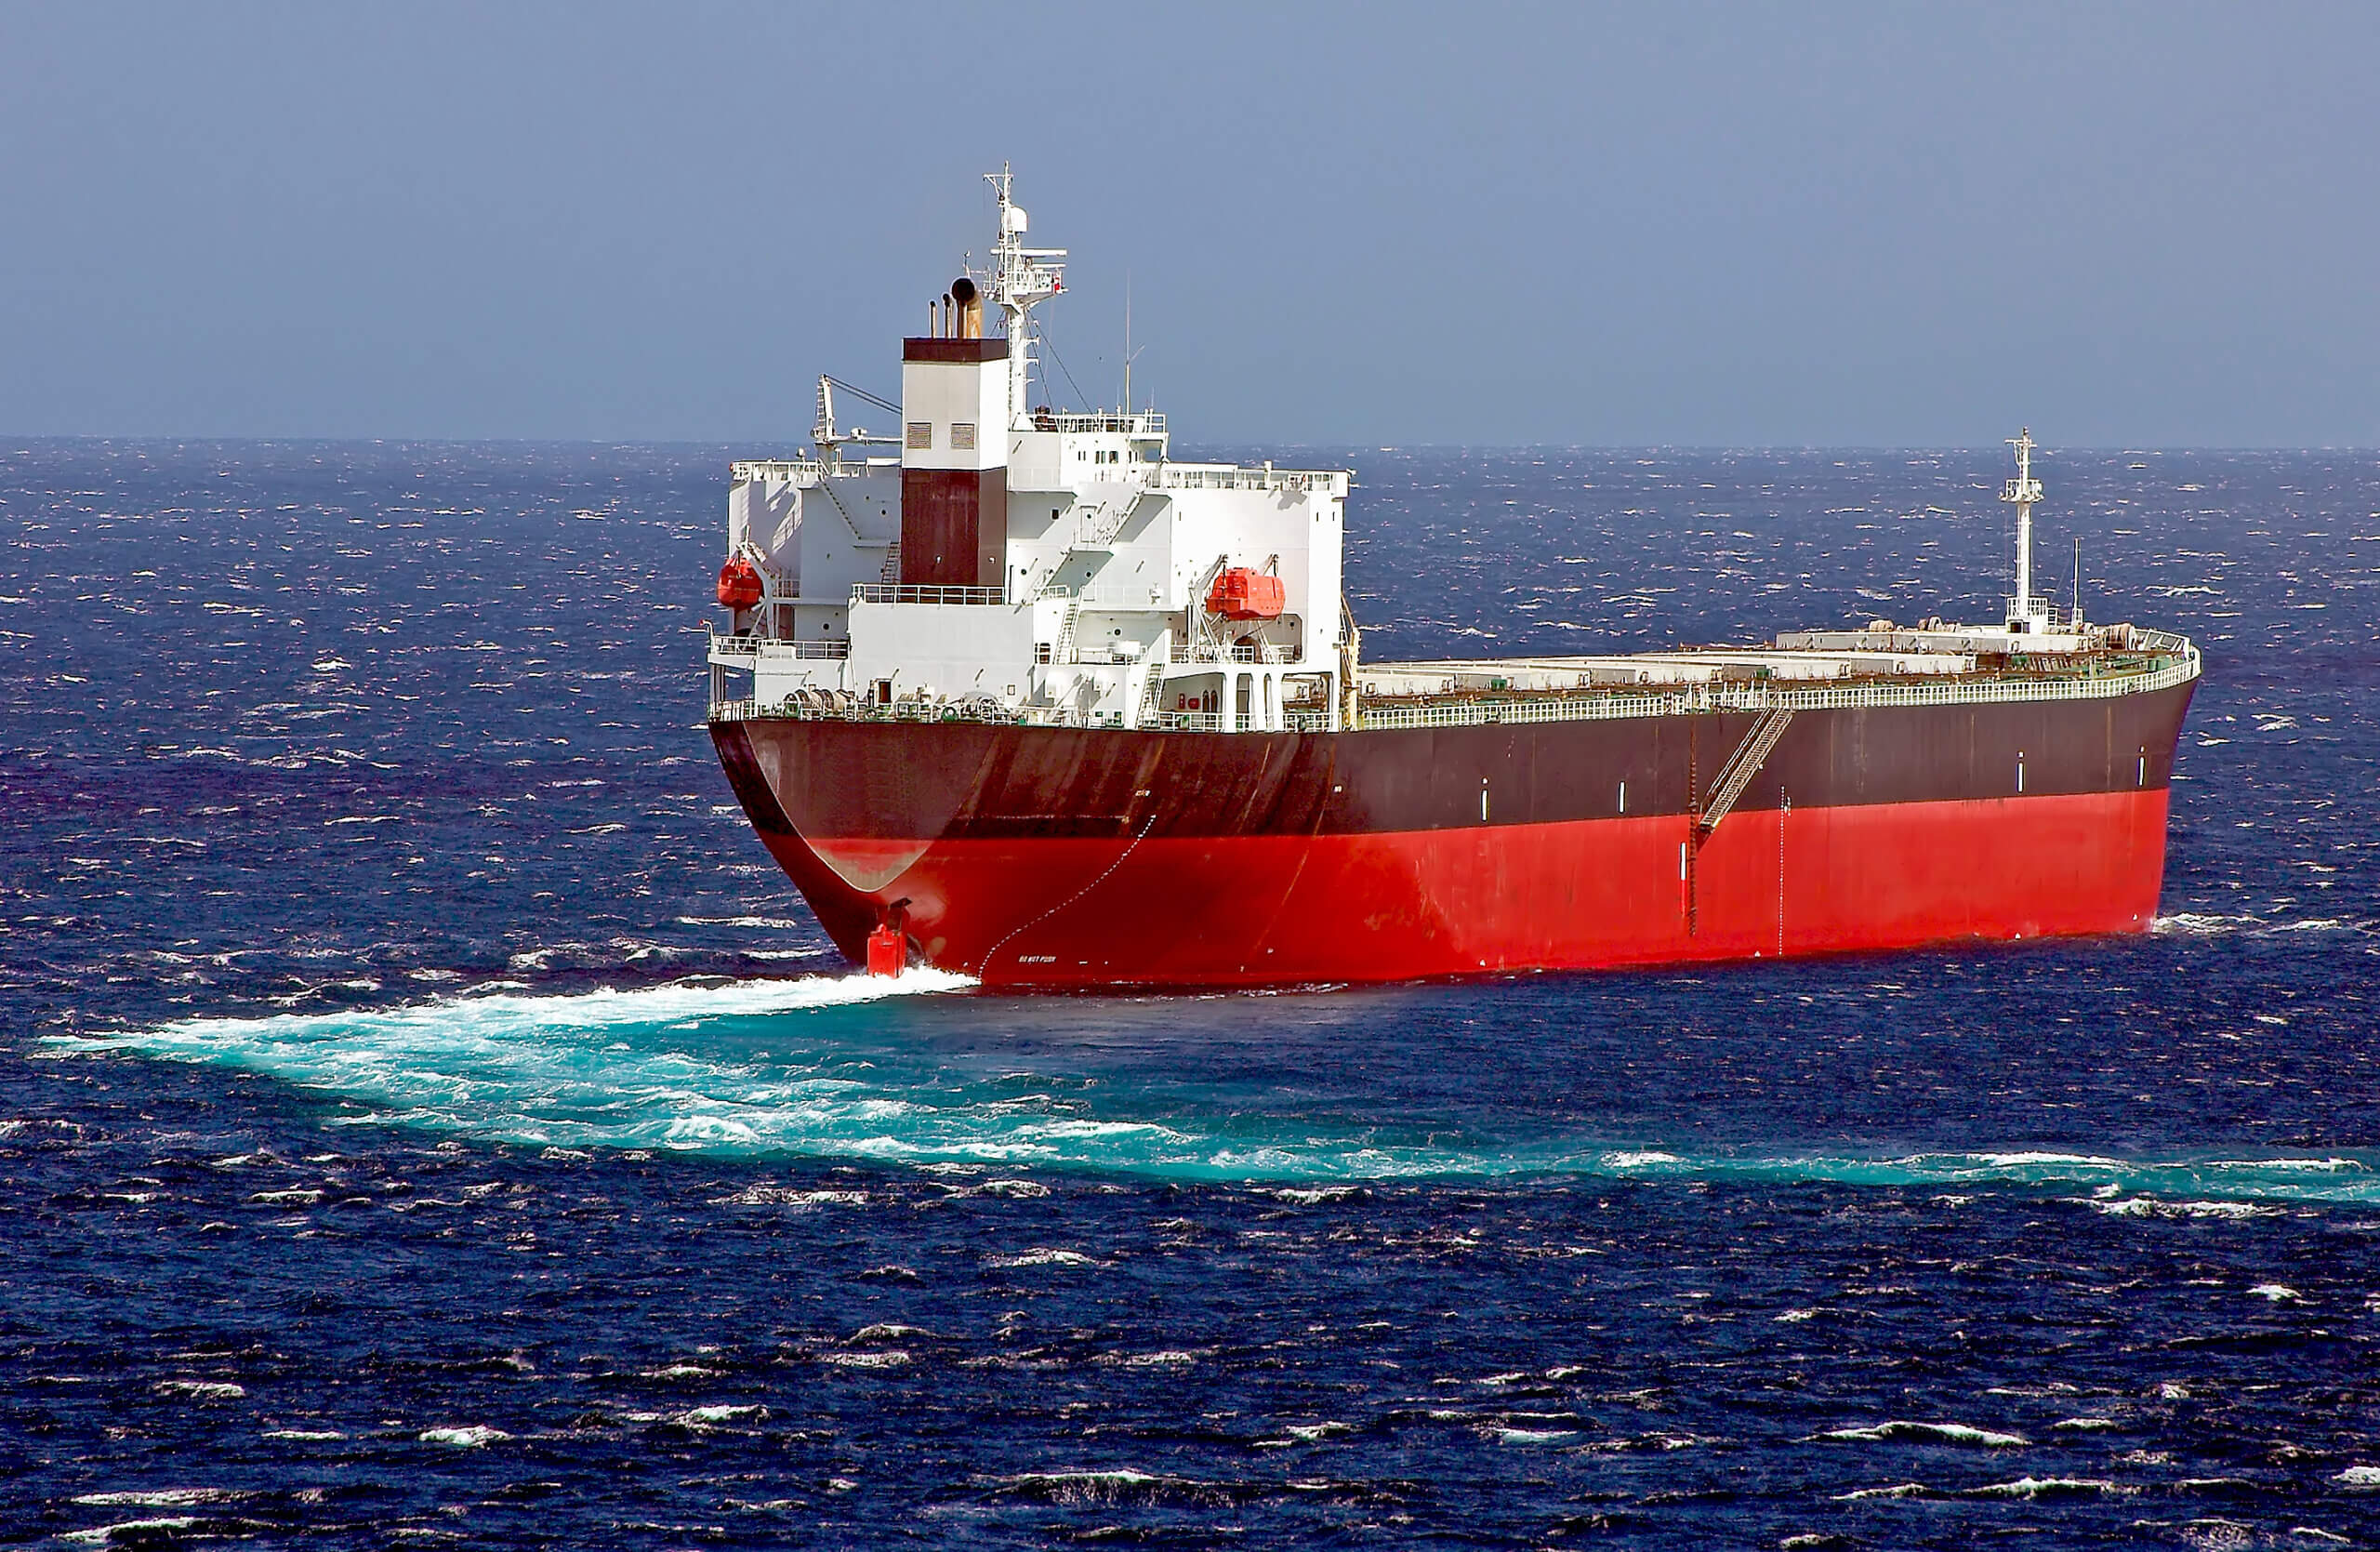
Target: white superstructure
{"x": 1105, "y": 583}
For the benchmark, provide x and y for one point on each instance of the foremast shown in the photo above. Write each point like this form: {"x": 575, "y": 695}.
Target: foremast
{"x": 2028, "y": 614}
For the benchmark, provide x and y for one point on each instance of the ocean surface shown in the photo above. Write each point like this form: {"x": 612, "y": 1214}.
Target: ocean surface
{"x": 428, "y": 1119}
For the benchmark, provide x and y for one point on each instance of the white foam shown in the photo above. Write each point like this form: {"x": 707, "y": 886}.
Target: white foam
{"x": 1043, "y": 1256}
{"x": 2279, "y": 1292}
{"x": 765, "y": 1195}
{"x": 1640, "y": 1160}
{"x": 2039, "y": 1487}
{"x": 1310, "y": 1432}
{"x": 507, "y": 1013}
{"x": 2192, "y": 925}
{"x": 161, "y": 1498}
{"x": 2325, "y": 1166}
{"x": 468, "y": 1436}
{"x": 1901, "y": 1430}
{"x": 2151, "y": 1207}
{"x": 712, "y": 1416}
{"x": 754, "y": 923}
{"x": 1085, "y": 1487}
{"x": 2359, "y": 1477}
{"x": 111, "y": 1535}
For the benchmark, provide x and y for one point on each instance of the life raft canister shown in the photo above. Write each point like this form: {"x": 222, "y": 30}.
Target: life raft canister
{"x": 1242, "y": 593}
{"x": 739, "y": 584}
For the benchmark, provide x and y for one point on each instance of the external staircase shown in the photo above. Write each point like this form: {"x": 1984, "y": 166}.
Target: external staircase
{"x": 1742, "y": 767}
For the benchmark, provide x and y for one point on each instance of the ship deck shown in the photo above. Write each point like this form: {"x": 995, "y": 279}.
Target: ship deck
{"x": 1804, "y": 671}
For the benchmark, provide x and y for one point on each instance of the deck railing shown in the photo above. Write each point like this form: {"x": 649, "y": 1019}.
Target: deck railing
{"x": 1218, "y": 476}
{"x": 906, "y": 592}
{"x": 1147, "y": 422}
{"x": 2178, "y": 668}
{"x": 2172, "y": 666}
{"x": 769, "y": 646}
{"x": 774, "y": 469}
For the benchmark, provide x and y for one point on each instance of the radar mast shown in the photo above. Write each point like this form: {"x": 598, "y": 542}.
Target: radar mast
{"x": 1020, "y": 276}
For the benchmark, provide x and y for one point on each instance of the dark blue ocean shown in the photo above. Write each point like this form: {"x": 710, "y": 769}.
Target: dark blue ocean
{"x": 428, "y": 1119}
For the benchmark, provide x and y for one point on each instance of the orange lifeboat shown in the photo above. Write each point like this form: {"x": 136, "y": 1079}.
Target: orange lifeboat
{"x": 1242, "y": 593}
{"x": 739, "y": 584}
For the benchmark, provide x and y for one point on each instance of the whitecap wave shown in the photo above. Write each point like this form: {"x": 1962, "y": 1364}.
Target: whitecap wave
{"x": 2051, "y": 1487}
{"x": 1900, "y": 1431}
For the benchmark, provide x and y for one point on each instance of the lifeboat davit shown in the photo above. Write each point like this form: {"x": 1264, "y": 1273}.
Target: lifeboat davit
{"x": 739, "y": 584}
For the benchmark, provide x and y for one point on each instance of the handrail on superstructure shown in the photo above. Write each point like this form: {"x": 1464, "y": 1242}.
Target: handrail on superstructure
{"x": 1147, "y": 422}
{"x": 774, "y": 469}
{"x": 778, "y": 646}
{"x": 909, "y": 593}
{"x": 1226, "y": 476}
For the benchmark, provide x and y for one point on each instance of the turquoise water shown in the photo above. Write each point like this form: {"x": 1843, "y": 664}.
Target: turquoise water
{"x": 839, "y": 1067}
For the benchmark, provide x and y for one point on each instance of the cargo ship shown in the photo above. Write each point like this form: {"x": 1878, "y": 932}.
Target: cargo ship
{"x": 1013, "y": 692}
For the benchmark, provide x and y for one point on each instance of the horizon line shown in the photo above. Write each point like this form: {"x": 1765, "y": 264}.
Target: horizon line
{"x": 1457, "y": 446}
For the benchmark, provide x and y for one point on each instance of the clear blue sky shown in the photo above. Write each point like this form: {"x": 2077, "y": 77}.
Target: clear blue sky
{"x": 1736, "y": 224}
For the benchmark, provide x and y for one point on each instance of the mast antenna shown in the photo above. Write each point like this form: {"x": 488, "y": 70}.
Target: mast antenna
{"x": 2023, "y": 490}
{"x": 1019, "y": 277}
{"x": 1129, "y": 352}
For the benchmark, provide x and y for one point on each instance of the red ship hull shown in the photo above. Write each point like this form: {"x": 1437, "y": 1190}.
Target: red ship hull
{"x": 1063, "y": 857}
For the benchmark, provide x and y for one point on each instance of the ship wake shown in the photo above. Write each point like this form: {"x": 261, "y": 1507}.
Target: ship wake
{"x": 854, "y": 1067}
